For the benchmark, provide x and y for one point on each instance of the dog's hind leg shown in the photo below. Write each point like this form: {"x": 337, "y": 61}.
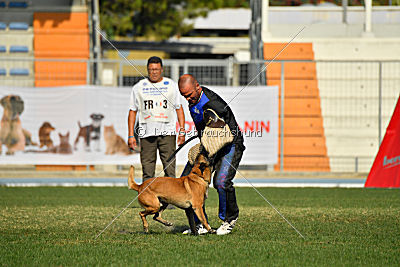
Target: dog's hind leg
{"x": 190, "y": 215}
{"x": 151, "y": 204}
{"x": 145, "y": 223}
{"x": 76, "y": 141}
{"x": 157, "y": 216}
{"x": 143, "y": 214}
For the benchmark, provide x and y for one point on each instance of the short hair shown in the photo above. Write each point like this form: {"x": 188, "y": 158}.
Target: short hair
{"x": 155, "y": 60}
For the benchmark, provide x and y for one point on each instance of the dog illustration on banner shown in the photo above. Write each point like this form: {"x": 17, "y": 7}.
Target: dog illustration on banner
{"x": 114, "y": 143}
{"x": 63, "y": 148}
{"x": 12, "y": 135}
{"x": 90, "y": 132}
{"x": 44, "y": 135}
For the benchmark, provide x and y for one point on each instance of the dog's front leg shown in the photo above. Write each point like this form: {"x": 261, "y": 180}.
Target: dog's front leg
{"x": 97, "y": 145}
{"x": 190, "y": 215}
{"x": 200, "y": 214}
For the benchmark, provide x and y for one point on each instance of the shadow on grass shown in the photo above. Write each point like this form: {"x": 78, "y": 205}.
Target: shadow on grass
{"x": 178, "y": 229}
{"x": 175, "y": 229}
{"x": 141, "y": 232}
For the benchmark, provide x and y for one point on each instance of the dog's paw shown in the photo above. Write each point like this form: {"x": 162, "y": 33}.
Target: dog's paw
{"x": 168, "y": 224}
{"x": 212, "y": 231}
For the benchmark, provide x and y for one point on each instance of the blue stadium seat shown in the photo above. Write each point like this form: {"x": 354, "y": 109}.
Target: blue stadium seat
{"x": 2, "y": 49}
{"x": 18, "y": 4}
{"x": 2, "y": 4}
{"x": 3, "y": 71}
{"x": 3, "y": 26}
{"x": 19, "y": 49}
{"x": 18, "y": 26}
{"x": 19, "y": 71}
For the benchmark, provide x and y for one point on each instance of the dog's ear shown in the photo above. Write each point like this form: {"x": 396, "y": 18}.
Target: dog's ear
{"x": 19, "y": 104}
{"x": 3, "y": 101}
{"x": 202, "y": 167}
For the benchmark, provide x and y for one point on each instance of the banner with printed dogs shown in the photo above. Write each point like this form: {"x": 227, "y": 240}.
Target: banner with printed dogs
{"x": 82, "y": 125}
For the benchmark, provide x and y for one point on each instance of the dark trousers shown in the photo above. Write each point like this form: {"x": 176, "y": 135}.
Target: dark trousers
{"x": 165, "y": 145}
{"x": 226, "y": 164}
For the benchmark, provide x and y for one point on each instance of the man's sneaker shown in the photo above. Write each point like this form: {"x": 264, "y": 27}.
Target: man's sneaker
{"x": 201, "y": 230}
{"x": 226, "y": 227}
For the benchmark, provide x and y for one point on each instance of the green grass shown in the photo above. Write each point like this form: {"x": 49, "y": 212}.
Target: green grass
{"x": 57, "y": 226}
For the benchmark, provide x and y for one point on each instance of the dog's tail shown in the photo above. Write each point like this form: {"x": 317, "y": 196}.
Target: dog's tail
{"x": 131, "y": 180}
{"x": 79, "y": 124}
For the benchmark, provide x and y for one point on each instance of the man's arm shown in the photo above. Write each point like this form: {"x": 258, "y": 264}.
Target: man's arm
{"x": 181, "y": 120}
{"x": 131, "y": 129}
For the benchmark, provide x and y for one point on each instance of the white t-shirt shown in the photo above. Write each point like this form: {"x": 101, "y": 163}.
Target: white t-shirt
{"x": 147, "y": 98}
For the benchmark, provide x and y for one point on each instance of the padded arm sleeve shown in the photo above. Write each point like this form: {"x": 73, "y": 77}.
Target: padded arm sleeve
{"x": 218, "y": 107}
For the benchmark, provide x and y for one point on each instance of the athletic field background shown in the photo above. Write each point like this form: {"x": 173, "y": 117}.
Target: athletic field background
{"x": 57, "y": 226}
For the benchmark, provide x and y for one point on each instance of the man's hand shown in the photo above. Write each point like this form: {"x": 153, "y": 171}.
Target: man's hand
{"x": 132, "y": 142}
{"x": 181, "y": 139}
{"x": 181, "y": 136}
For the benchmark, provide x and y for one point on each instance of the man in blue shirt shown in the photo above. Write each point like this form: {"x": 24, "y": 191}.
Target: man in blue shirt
{"x": 227, "y": 159}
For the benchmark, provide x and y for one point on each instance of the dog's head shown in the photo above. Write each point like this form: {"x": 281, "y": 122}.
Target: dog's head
{"x": 47, "y": 127}
{"x": 64, "y": 139}
{"x": 202, "y": 167}
{"x": 96, "y": 119}
{"x": 13, "y": 106}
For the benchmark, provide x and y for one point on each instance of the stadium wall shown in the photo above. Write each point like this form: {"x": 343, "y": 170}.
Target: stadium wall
{"x": 353, "y": 84}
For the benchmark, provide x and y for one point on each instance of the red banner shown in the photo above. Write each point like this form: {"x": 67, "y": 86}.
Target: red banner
{"x": 385, "y": 171}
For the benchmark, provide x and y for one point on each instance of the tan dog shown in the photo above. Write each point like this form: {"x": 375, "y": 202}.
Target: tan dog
{"x": 44, "y": 135}
{"x": 11, "y": 133}
{"x": 114, "y": 143}
{"x": 188, "y": 193}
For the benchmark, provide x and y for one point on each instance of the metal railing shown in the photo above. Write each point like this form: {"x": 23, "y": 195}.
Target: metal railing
{"x": 356, "y": 97}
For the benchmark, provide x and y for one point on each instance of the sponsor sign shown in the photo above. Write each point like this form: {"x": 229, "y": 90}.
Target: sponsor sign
{"x": 385, "y": 171}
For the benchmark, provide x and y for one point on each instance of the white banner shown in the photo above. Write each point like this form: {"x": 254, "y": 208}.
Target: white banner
{"x": 255, "y": 109}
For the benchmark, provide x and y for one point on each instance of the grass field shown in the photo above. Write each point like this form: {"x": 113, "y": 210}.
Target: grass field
{"x": 57, "y": 226}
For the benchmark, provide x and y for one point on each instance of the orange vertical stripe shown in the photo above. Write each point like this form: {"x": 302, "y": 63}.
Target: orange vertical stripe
{"x": 304, "y": 137}
{"x": 60, "y": 35}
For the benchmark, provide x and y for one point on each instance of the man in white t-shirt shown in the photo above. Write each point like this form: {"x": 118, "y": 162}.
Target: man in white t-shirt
{"x": 156, "y": 99}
